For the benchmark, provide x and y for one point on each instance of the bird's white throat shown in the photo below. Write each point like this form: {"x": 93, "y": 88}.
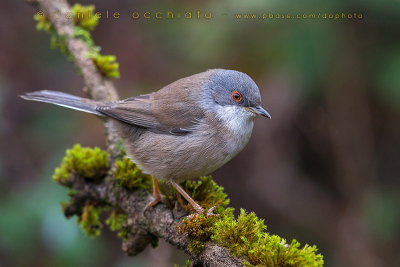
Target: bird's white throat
{"x": 237, "y": 119}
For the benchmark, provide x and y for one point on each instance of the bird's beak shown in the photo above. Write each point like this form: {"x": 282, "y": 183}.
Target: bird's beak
{"x": 260, "y": 111}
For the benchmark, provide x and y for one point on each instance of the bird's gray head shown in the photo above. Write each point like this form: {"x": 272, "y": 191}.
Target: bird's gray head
{"x": 236, "y": 90}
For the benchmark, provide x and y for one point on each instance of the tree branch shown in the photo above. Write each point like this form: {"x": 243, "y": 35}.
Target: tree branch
{"x": 145, "y": 226}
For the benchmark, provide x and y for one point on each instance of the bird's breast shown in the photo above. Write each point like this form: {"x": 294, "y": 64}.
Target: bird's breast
{"x": 237, "y": 121}
{"x": 232, "y": 127}
{"x": 214, "y": 142}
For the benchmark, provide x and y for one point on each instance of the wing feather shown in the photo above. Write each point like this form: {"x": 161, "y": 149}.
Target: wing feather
{"x": 144, "y": 111}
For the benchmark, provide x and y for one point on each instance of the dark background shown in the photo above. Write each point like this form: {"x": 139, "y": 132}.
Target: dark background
{"x": 325, "y": 170}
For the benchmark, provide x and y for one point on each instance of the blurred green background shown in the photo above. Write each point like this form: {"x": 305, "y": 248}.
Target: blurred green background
{"x": 325, "y": 170}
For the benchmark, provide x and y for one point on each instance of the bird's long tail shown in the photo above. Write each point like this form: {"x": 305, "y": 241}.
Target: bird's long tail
{"x": 65, "y": 100}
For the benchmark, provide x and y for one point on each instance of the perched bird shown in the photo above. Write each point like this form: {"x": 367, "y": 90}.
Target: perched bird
{"x": 187, "y": 129}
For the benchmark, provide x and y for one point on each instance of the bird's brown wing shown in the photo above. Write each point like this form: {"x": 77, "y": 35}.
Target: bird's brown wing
{"x": 155, "y": 113}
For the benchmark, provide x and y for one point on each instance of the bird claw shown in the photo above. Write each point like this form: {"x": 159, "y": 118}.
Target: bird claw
{"x": 200, "y": 212}
{"x": 210, "y": 211}
{"x": 154, "y": 202}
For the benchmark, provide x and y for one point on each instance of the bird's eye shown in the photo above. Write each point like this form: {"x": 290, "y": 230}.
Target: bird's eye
{"x": 236, "y": 96}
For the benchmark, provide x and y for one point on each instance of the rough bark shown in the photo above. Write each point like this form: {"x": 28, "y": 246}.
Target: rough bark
{"x": 144, "y": 226}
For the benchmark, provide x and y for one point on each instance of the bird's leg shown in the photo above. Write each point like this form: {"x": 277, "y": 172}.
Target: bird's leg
{"x": 179, "y": 198}
{"x": 196, "y": 206}
{"x": 156, "y": 194}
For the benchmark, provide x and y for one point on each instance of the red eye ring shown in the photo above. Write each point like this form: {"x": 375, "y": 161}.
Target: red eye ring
{"x": 236, "y": 96}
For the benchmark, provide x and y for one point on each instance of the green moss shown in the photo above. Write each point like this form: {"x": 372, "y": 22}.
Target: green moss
{"x": 90, "y": 220}
{"x": 106, "y": 64}
{"x": 84, "y": 16}
{"x": 273, "y": 251}
{"x": 56, "y": 41}
{"x": 238, "y": 234}
{"x": 187, "y": 264}
{"x": 204, "y": 191}
{"x": 44, "y": 23}
{"x": 59, "y": 42}
{"x": 85, "y": 36}
{"x": 117, "y": 222}
{"x": 128, "y": 175}
{"x": 84, "y": 21}
{"x": 207, "y": 193}
{"x": 199, "y": 229}
{"x": 90, "y": 163}
{"x": 246, "y": 237}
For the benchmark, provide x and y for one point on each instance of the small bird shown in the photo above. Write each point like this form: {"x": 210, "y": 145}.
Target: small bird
{"x": 187, "y": 129}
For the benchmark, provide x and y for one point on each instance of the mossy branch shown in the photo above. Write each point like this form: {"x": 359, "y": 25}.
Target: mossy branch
{"x": 107, "y": 182}
{"x": 219, "y": 240}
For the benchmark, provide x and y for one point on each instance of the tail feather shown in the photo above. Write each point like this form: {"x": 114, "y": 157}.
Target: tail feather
{"x": 64, "y": 100}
